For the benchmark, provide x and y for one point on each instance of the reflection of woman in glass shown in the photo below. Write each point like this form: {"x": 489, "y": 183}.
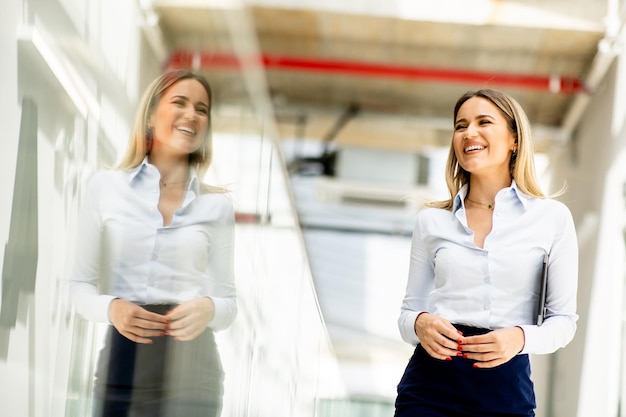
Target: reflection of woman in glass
{"x": 476, "y": 264}
{"x": 155, "y": 261}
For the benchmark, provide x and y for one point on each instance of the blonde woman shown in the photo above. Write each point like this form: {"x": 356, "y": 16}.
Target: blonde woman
{"x": 155, "y": 261}
{"x": 476, "y": 264}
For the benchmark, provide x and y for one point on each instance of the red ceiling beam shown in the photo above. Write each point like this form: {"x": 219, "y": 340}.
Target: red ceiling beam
{"x": 209, "y": 61}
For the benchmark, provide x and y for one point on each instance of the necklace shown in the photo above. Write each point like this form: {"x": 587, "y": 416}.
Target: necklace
{"x": 170, "y": 184}
{"x": 476, "y": 203}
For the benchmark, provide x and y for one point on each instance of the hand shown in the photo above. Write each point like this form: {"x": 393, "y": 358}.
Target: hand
{"x": 190, "y": 319}
{"x": 493, "y": 348}
{"x": 135, "y": 322}
{"x": 437, "y": 336}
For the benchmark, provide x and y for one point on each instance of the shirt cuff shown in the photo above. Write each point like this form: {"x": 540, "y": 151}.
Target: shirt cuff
{"x": 530, "y": 333}
{"x": 407, "y": 327}
{"x": 225, "y": 310}
{"x": 95, "y": 308}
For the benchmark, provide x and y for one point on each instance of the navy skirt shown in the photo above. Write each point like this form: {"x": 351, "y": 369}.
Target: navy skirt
{"x": 168, "y": 378}
{"x": 437, "y": 388}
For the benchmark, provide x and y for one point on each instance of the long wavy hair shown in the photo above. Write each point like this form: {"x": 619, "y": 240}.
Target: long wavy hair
{"x": 521, "y": 163}
{"x": 140, "y": 141}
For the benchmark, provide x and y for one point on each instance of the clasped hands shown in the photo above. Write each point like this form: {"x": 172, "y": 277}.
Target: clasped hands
{"x": 442, "y": 340}
{"x": 184, "y": 322}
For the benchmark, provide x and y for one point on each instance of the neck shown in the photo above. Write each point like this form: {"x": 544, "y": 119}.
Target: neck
{"x": 488, "y": 206}
{"x": 484, "y": 190}
{"x": 172, "y": 170}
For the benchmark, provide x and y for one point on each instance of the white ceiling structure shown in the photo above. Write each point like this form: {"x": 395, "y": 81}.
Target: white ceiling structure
{"x": 392, "y": 69}
{"x": 404, "y": 60}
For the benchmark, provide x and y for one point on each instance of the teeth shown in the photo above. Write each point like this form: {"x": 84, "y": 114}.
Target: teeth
{"x": 186, "y": 129}
{"x": 474, "y": 148}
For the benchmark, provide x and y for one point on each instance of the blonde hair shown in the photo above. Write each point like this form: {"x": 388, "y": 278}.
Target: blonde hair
{"x": 140, "y": 140}
{"x": 521, "y": 164}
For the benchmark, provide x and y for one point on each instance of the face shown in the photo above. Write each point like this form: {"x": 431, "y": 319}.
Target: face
{"x": 482, "y": 141}
{"x": 181, "y": 119}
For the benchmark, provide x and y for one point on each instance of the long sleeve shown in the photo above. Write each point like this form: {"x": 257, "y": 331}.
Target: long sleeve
{"x": 86, "y": 274}
{"x": 420, "y": 284}
{"x": 223, "y": 292}
{"x": 560, "y": 325}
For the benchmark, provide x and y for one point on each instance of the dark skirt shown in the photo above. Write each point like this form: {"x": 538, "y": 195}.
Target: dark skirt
{"x": 168, "y": 378}
{"x": 437, "y": 388}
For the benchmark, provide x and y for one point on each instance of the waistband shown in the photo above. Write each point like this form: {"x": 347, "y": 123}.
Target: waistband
{"x": 469, "y": 330}
{"x": 158, "y": 308}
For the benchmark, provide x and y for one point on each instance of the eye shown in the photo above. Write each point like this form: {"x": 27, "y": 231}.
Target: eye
{"x": 202, "y": 110}
{"x": 179, "y": 102}
{"x": 485, "y": 122}
{"x": 460, "y": 127}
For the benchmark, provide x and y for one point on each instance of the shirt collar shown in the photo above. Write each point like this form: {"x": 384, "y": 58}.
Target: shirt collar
{"x": 194, "y": 181}
{"x": 132, "y": 173}
{"x": 513, "y": 191}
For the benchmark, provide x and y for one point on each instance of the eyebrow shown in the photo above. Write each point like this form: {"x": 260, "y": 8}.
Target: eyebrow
{"x": 480, "y": 116}
{"x": 187, "y": 98}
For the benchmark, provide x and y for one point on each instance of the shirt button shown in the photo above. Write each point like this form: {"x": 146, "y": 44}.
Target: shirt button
{"x": 154, "y": 257}
{"x": 487, "y": 280}
{"x": 486, "y": 307}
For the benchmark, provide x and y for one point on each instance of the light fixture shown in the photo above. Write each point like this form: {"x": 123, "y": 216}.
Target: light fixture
{"x": 67, "y": 75}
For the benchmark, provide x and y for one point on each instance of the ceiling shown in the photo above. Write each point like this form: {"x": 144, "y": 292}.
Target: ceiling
{"x": 402, "y": 69}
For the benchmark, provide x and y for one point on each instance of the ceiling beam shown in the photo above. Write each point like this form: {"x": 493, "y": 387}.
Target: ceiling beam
{"x": 215, "y": 61}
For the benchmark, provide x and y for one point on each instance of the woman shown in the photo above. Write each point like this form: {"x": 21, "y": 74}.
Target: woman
{"x": 476, "y": 264}
{"x": 155, "y": 261}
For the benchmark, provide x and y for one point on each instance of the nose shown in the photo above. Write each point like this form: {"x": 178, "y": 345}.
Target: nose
{"x": 471, "y": 131}
{"x": 190, "y": 113}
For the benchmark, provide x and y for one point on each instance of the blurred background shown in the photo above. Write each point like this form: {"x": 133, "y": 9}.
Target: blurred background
{"x": 331, "y": 123}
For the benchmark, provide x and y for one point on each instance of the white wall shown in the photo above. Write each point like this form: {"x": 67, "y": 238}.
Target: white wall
{"x": 49, "y": 50}
{"x": 586, "y": 375}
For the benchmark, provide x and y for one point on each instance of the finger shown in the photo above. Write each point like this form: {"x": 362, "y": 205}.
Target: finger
{"x": 184, "y": 334}
{"x": 136, "y": 338}
{"x": 435, "y": 339}
{"x": 150, "y": 325}
{"x": 176, "y": 313}
{"x": 480, "y": 357}
{"x": 448, "y": 346}
{"x": 143, "y": 332}
{"x": 146, "y": 315}
{"x": 187, "y": 329}
{"x": 439, "y": 351}
{"x": 488, "y": 364}
{"x": 435, "y": 354}
{"x": 187, "y": 337}
{"x": 178, "y": 325}
{"x": 477, "y": 348}
{"x": 451, "y": 333}
{"x": 478, "y": 339}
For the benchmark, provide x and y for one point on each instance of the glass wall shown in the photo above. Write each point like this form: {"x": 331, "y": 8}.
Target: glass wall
{"x": 79, "y": 67}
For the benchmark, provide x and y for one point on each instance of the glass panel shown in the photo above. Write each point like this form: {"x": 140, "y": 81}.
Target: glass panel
{"x": 276, "y": 355}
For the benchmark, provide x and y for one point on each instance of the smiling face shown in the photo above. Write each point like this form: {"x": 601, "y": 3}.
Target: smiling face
{"x": 180, "y": 120}
{"x": 482, "y": 140}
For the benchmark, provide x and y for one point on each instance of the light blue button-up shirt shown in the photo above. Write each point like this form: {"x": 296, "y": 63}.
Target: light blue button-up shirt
{"x": 498, "y": 285}
{"x": 124, "y": 251}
